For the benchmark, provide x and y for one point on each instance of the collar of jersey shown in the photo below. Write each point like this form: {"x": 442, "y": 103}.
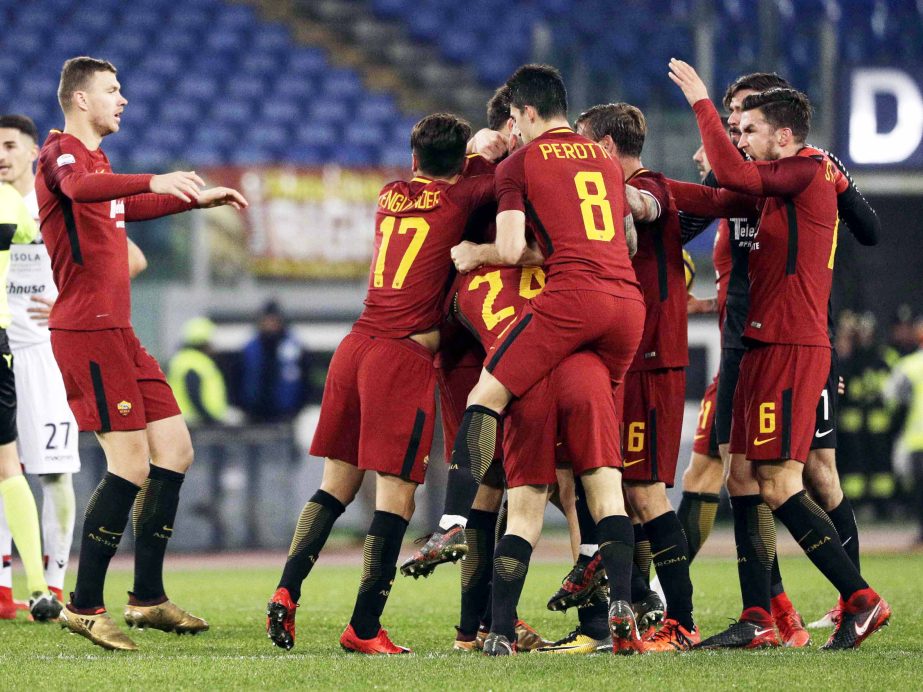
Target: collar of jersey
{"x": 418, "y": 179}
{"x": 636, "y": 174}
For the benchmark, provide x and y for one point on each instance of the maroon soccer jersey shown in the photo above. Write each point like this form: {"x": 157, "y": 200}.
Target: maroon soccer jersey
{"x": 489, "y": 298}
{"x": 573, "y": 195}
{"x": 791, "y": 258}
{"x": 83, "y": 208}
{"x": 660, "y": 270}
{"x": 416, "y": 226}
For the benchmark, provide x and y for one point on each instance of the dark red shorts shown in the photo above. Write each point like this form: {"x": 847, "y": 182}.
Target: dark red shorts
{"x": 112, "y": 382}
{"x": 776, "y": 401}
{"x": 555, "y": 324}
{"x": 705, "y": 441}
{"x": 570, "y": 415}
{"x": 652, "y": 424}
{"x": 379, "y": 406}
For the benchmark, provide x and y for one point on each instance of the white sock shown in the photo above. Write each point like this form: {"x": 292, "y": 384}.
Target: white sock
{"x": 588, "y": 549}
{"x": 6, "y": 551}
{"x": 58, "y": 515}
{"x": 450, "y": 520}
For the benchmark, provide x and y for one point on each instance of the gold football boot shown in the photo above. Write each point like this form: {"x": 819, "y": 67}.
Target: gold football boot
{"x": 99, "y": 629}
{"x": 166, "y": 616}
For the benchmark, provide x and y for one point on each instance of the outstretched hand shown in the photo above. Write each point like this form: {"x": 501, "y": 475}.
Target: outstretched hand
{"x": 184, "y": 185}
{"x": 488, "y": 143}
{"x": 219, "y": 197}
{"x": 686, "y": 78}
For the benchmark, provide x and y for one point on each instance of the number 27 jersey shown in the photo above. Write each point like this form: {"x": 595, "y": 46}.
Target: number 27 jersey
{"x": 417, "y": 224}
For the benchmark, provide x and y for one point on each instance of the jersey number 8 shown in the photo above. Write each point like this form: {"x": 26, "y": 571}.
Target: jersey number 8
{"x": 592, "y": 200}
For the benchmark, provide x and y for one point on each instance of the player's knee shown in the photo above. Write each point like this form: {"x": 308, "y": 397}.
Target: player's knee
{"x": 648, "y": 501}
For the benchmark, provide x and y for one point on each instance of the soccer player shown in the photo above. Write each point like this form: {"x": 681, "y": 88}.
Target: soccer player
{"x": 820, "y": 471}
{"x": 48, "y": 441}
{"x": 114, "y": 387}
{"x": 655, "y": 386}
{"x": 378, "y": 407}
{"x": 591, "y": 300}
{"x": 795, "y": 188}
{"x": 17, "y": 225}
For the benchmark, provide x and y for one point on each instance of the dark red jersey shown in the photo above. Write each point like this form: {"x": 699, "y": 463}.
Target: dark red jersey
{"x": 83, "y": 208}
{"x": 721, "y": 258}
{"x": 487, "y": 300}
{"x": 791, "y": 258}
{"x": 482, "y": 224}
{"x": 661, "y": 272}
{"x": 417, "y": 224}
{"x": 573, "y": 194}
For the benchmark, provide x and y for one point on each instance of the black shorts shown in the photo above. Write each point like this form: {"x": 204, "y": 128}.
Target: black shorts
{"x": 7, "y": 392}
{"x": 728, "y": 374}
{"x": 825, "y": 417}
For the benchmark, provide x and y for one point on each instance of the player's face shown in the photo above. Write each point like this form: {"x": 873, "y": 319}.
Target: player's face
{"x": 701, "y": 161}
{"x": 758, "y": 137}
{"x": 17, "y": 152}
{"x": 105, "y": 102}
{"x": 735, "y": 114}
{"x": 522, "y": 125}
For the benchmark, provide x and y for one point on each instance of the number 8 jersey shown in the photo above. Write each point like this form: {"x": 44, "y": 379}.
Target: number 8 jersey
{"x": 579, "y": 224}
{"x": 417, "y": 224}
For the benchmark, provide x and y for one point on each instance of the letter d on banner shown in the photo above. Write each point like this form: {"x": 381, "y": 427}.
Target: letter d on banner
{"x": 866, "y": 143}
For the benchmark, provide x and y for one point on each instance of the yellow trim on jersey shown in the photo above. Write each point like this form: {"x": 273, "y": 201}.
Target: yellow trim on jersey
{"x": 560, "y": 129}
{"x": 418, "y": 179}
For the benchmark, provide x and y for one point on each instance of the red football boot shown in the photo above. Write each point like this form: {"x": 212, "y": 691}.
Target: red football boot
{"x": 379, "y": 644}
{"x": 8, "y": 607}
{"x": 789, "y": 622}
{"x": 280, "y": 619}
{"x": 863, "y": 614}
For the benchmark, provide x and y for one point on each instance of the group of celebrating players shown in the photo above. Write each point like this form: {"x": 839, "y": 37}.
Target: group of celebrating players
{"x": 570, "y": 292}
{"x": 535, "y": 271}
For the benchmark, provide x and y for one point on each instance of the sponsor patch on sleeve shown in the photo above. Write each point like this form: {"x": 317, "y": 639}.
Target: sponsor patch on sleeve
{"x": 65, "y": 159}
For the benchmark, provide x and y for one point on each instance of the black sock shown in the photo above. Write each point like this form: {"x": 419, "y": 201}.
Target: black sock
{"x": 379, "y": 564}
{"x": 696, "y": 514}
{"x": 755, "y": 535}
{"x": 594, "y": 616}
{"x": 311, "y": 533}
{"x": 471, "y": 457}
{"x": 616, "y": 548}
{"x": 501, "y": 522}
{"x": 776, "y": 586}
{"x": 817, "y": 536}
{"x": 584, "y": 518}
{"x": 511, "y": 562}
{"x": 671, "y": 560}
{"x": 104, "y": 523}
{"x": 152, "y": 521}
{"x": 844, "y": 520}
{"x": 477, "y": 569}
{"x": 641, "y": 565}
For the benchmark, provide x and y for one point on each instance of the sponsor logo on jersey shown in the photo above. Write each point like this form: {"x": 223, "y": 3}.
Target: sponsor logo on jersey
{"x": 25, "y": 290}
{"x": 123, "y": 407}
{"x": 66, "y": 159}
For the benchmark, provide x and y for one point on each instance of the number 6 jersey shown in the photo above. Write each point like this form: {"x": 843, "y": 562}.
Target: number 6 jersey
{"x": 417, "y": 224}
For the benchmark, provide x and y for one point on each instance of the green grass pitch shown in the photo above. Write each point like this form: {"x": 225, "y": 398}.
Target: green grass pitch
{"x": 421, "y": 614}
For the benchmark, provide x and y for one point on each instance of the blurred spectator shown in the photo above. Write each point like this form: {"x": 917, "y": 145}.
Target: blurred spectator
{"x": 274, "y": 371}
{"x": 902, "y": 340}
{"x": 865, "y": 419}
{"x": 197, "y": 382}
{"x": 905, "y": 389}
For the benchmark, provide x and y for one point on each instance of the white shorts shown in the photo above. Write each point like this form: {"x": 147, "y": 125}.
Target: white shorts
{"x": 48, "y": 438}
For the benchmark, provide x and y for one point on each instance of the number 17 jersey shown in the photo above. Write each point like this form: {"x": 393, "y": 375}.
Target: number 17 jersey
{"x": 573, "y": 196}
{"x": 417, "y": 224}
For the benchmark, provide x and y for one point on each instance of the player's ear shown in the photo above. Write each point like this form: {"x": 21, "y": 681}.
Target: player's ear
{"x": 414, "y": 162}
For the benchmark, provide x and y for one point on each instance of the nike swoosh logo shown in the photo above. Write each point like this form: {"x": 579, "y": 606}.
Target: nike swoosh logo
{"x": 862, "y": 630}
{"x": 758, "y": 442}
{"x": 167, "y": 528}
{"x": 660, "y": 552}
{"x": 698, "y": 437}
{"x": 632, "y": 463}
{"x": 818, "y": 433}
{"x": 760, "y": 633}
{"x": 102, "y": 529}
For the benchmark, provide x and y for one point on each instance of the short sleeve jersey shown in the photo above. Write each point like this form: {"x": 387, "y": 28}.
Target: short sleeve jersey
{"x": 659, "y": 267}
{"x": 488, "y": 299}
{"x": 416, "y": 225}
{"x": 86, "y": 241}
{"x": 573, "y": 194}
